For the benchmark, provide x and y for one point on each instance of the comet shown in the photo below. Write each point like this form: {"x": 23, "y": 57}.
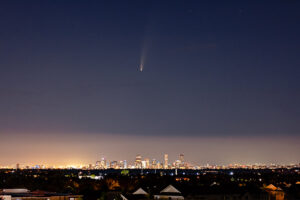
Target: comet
{"x": 145, "y": 46}
{"x": 141, "y": 67}
{"x": 143, "y": 58}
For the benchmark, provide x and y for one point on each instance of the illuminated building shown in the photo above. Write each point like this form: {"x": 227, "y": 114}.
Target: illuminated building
{"x": 98, "y": 164}
{"x": 125, "y": 164}
{"x": 177, "y": 164}
{"x": 159, "y": 165}
{"x": 121, "y": 164}
{"x": 103, "y": 164}
{"x": 166, "y": 161}
{"x": 114, "y": 164}
{"x": 182, "y": 163}
{"x": 143, "y": 164}
{"x": 37, "y": 167}
{"x": 154, "y": 164}
{"x": 147, "y": 163}
{"x": 138, "y": 161}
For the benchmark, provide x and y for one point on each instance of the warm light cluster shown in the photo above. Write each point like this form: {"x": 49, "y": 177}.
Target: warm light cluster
{"x": 146, "y": 163}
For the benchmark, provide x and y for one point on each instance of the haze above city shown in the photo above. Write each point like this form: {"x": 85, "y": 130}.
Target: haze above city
{"x": 217, "y": 81}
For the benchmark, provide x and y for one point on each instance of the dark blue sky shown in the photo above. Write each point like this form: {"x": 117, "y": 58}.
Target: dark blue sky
{"x": 212, "y": 68}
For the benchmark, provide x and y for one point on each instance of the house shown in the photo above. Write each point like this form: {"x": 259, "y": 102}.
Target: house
{"x": 139, "y": 194}
{"x": 21, "y": 194}
{"x": 170, "y": 192}
{"x": 275, "y": 192}
{"x": 140, "y": 191}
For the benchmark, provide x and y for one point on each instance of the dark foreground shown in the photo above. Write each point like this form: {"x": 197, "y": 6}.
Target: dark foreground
{"x": 201, "y": 184}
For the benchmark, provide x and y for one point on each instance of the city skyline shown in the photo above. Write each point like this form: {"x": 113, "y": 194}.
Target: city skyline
{"x": 70, "y": 151}
{"x": 142, "y": 162}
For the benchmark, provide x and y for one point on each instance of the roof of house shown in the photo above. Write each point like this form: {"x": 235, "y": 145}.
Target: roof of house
{"x": 170, "y": 189}
{"x": 140, "y": 191}
{"x": 26, "y": 193}
{"x": 271, "y": 187}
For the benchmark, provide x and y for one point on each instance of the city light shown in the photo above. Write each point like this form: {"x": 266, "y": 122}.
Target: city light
{"x": 146, "y": 163}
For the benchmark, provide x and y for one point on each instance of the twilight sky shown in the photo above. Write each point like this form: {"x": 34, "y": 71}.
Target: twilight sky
{"x": 221, "y": 80}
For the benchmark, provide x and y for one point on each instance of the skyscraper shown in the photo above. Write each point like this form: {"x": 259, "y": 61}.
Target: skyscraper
{"x": 177, "y": 164}
{"x": 181, "y": 158}
{"x": 98, "y": 164}
{"x": 125, "y": 164}
{"x": 166, "y": 161}
{"x": 114, "y": 164}
{"x": 154, "y": 164}
{"x": 144, "y": 164}
{"x": 147, "y": 163}
{"x": 138, "y": 161}
{"x": 121, "y": 164}
{"x": 103, "y": 164}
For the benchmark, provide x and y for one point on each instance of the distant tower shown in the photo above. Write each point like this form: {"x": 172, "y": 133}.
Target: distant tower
{"x": 17, "y": 166}
{"x": 166, "y": 161}
{"x": 181, "y": 158}
{"x": 144, "y": 164}
{"x": 103, "y": 163}
{"x": 98, "y": 164}
{"x": 121, "y": 164}
{"x": 114, "y": 164}
{"x": 153, "y": 164}
{"x": 125, "y": 164}
{"x": 181, "y": 161}
{"x": 138, "y": 161}
{"x": 159, "y": 165}
{"x": 147, "y": 163}
{"x": 90, "y": 166}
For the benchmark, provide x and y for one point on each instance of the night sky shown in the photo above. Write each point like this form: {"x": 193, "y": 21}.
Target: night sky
{"x": 221, "y": 80}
